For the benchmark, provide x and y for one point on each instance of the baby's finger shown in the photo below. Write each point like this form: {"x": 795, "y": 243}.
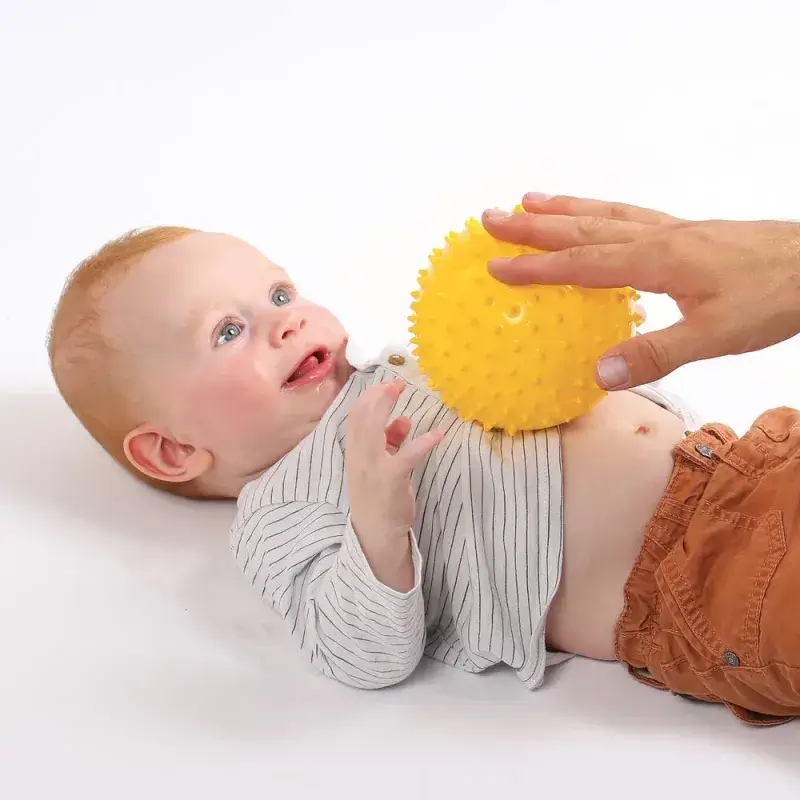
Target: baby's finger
{"x": 535, "y": 203}
{"x": 375, "y": 405}
{"x": 397, "y": 433}
{"x": 414, "y": 451}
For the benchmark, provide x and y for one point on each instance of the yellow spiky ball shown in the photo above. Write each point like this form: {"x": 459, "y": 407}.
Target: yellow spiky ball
{"x": 511, "y": 357}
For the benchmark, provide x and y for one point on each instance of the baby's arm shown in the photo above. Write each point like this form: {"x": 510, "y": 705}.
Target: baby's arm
{"x": 306, "y": 561}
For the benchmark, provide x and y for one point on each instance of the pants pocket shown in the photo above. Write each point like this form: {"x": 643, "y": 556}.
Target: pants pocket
{"x": 779, "y": 425}
{"x": 714, "y": 582}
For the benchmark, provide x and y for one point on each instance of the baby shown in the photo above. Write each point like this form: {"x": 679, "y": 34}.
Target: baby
{"x": 381, "y": 527}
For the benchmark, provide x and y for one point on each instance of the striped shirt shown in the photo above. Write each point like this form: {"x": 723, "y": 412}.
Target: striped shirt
{"x": 486, "y": 544}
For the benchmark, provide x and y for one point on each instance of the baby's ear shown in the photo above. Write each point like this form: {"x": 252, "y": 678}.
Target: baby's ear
{"x": 164, "y": 459}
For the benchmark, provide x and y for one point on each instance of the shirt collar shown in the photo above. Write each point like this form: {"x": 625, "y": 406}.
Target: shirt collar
{"x": 356, "y": 355}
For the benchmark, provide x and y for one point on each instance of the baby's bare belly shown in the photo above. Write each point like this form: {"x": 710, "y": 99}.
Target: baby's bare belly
{"x": 617, "y": 462}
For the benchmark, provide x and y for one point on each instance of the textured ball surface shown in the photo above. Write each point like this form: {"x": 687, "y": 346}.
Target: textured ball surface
{"x": 511, "y": 357}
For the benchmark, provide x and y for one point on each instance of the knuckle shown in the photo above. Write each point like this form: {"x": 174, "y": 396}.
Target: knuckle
{"x": 661, "y": 247}
{"x": 589, "y": 228}
{"x": 655, "y": 255}
{"x": 619, "y": 212}
{"x": 683, "y": 235}
{"x": 656, "y": 357}
{"x": 696, "y": 235}
{"x": 577, "y": 256}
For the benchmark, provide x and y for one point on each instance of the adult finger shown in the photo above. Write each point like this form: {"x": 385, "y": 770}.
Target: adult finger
{"x": 411, "y": 453}
{"x": 608, "y": 266}
{"x": 557, "y": 232}
{"x": 536, "y": 203}
{"x": 651, "y": 356}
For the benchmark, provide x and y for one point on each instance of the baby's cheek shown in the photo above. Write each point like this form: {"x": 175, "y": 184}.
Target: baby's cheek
{"x": 229, "y": 401}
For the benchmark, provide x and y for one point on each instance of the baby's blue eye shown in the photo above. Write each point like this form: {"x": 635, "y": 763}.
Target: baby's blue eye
{"x": 229, "y": 332}
{"x": 280, "y": 297}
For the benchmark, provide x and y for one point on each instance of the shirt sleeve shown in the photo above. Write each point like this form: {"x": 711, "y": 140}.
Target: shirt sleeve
{"x": 307, "y": 563}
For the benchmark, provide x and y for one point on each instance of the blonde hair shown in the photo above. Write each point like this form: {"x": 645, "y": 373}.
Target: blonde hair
{"x": 86, "y": 366}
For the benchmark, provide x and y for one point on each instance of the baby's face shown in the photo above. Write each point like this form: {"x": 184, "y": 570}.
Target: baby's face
{"x": 234, "y": 366}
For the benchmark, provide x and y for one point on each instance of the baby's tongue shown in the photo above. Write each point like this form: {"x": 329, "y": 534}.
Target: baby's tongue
{"x": 305, "y": 368}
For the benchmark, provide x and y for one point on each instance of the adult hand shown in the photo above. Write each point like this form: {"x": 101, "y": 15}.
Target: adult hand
{"x": 737, "y": 284}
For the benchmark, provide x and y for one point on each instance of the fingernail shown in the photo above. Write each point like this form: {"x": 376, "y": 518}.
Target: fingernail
{"x": 496, "y": 213}
{"x": 613, "y": 371}
{"x": 537, "y": 197}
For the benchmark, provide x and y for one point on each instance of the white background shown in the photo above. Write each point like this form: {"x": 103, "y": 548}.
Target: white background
{"x": 344, "y": 139}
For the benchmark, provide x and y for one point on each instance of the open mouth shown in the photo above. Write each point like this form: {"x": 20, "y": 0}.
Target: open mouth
{"x": 313, "y": 367}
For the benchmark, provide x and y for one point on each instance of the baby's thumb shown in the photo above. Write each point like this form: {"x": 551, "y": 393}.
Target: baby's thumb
{"x": 646, "y": 358}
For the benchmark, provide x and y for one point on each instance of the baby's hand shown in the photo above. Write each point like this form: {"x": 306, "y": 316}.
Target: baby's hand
{"x": 379, "y": 464}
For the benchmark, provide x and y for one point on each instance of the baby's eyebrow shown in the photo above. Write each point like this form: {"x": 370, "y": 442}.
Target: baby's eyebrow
{"x": 196, "y": 319}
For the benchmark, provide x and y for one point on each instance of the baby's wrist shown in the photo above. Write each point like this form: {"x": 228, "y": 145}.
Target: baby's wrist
{"x": 388, "y": 552}
{"x": 374, "y": 527}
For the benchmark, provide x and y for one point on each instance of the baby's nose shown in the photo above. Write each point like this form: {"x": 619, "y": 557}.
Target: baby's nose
{"x": 287, "y": 327}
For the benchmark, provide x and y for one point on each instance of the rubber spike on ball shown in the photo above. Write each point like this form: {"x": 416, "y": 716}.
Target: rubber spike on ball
{"x": 539, "y": 343}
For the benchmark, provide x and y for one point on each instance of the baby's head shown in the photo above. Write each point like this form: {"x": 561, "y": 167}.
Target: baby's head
{"x": 192, "y": 359}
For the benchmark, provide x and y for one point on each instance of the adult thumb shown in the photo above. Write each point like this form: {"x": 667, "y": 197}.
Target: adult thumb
{"x": 649, "y": 357}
